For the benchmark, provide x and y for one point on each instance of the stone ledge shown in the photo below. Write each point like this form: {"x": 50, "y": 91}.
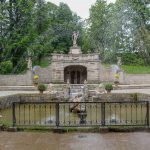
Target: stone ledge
{"x": 12, "y": 129}
{"x": 103, "y": 129}
{"x": 58, "y": 130}
{"x": 1, "y": 126}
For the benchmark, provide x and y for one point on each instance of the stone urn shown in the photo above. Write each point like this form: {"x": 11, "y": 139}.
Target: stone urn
{"x": 82, "y": 116}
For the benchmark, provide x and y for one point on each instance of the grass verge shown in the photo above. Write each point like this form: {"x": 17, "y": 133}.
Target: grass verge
{"x": 136, "y": 69}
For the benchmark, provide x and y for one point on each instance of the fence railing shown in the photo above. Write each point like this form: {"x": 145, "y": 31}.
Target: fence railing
{"x": 70, "y": 114}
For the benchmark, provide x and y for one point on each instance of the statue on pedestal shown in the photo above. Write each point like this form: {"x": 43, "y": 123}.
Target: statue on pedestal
{"x": 50, "y": 88}
{"x": 85, "y": 89}
{"x": 29, "y": 63}
{"x": 67, "y": 89}
{"x": 29, "y": 60}
{"x": 74, "y": 38}
{"x": 119, "y": 62}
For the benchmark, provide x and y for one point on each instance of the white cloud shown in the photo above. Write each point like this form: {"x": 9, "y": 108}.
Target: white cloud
{"x": 81, "y": 7}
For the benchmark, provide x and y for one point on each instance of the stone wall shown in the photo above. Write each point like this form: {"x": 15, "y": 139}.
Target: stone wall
{"x": 44, "y": 74}
{"x": 144, "y": 97}
{"x": 16, "y": 80}
{"x": 96, "y": 73}
{"x": 118, "y": 97}
{"x": 106, "y": 74}
{"x": 60, "y": 61}
{"x": 6, "y": 101}
{"x": 136, "y": 78}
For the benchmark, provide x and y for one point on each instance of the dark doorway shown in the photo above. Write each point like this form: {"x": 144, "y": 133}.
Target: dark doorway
{"x": 75, "y": 74}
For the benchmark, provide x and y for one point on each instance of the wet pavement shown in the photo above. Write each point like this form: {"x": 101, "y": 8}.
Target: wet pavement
{"x": 74, "y": 141}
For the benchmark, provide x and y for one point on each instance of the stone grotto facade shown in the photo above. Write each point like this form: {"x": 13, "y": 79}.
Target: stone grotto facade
{"x": 74, "y": 67}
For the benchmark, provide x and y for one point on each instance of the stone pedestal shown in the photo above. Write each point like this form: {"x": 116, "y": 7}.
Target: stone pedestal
{"x": 75, "y": 50}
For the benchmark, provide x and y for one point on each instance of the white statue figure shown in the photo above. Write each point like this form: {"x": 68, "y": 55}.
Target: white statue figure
{"x": 68, "y": 82}
{"x": 119, "y": 62}
{"x": 29, "y": 63}
{"x": 85, "y": 89}
{"x": 50, "y": 88}
{"x": 75, "y": 37}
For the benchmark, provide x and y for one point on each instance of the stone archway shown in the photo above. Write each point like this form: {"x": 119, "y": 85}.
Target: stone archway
{"x": 76, "y": 74}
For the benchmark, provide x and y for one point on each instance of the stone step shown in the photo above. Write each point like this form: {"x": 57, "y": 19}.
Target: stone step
{"x": 18, "y": 88}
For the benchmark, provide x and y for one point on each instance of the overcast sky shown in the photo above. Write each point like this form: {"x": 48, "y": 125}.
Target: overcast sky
{"x": 81, "y": 7}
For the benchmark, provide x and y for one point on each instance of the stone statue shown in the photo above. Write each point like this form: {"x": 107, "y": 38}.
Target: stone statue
{"x": 29, "y": 63}
{"x": 67, "y": 89}
{"x": 50, "y": 88}
{"x": 74, "y": 38}
{"x": 85, "y": 90}
{"x": 119, "y": 63}
{"x": 68, "y": 82}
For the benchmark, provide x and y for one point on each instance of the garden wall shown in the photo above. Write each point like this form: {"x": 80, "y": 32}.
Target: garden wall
{"x": 106, "y": 74}
{"x": 137, "y": 78}
{"x": 44, "y": 74}
{"x": 6, "y": 101}
{"x": 16, "y": 80}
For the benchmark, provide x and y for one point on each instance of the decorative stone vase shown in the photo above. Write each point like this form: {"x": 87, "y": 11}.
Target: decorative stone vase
{"x": 41, "y": 92}
{"x": 108, "y": 91}
{"x": 82, "y": 116}
{"x": 108, "y": 87}
{"x": 35, "y": 84}
{"x": 116, "y": 83}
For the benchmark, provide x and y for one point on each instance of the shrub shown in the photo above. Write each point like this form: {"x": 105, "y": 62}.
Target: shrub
{"x": 132, "y": 59}
{"x": 134, "y": 96}
{"x": 41, "y": 87}
{"x": 108, "y": 87}
{"x": 6, "y": 67}
{"x": 117, "y": 76}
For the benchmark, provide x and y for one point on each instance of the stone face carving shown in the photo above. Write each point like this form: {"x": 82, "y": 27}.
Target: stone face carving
{"x": 74, "y": 38}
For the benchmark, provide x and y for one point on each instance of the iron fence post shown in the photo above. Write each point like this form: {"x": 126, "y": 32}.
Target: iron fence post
{"x": 103, "y": 113}
{"x": 147, "y": 104}
{"x": 57, "y": 114}
{"x": 14, "y": 115}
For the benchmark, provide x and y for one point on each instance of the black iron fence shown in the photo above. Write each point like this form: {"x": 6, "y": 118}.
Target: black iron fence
{"x": 70, "y": 114}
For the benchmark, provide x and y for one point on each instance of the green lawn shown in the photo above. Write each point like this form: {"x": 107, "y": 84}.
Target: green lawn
{"x": 107, "y": 65}
{"x": 136, "y": 69}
